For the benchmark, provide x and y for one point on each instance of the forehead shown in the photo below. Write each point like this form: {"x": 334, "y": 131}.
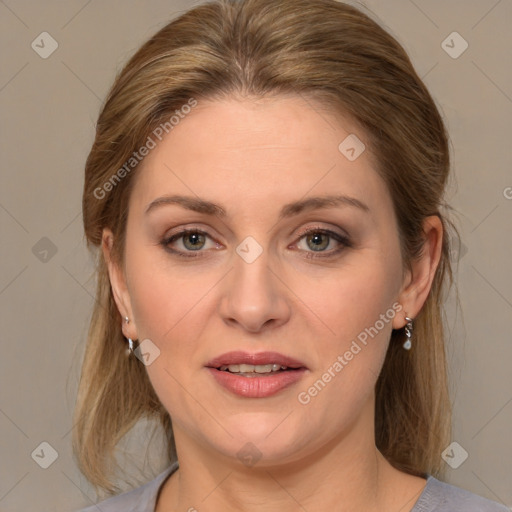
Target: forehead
{"x": 261, "y": 151}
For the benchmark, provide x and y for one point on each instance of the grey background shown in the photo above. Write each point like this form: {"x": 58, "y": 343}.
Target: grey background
{"x": 49, "y": 107}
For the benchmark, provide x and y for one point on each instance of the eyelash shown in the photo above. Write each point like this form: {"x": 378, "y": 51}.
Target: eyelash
{"x": 343, "y": 240}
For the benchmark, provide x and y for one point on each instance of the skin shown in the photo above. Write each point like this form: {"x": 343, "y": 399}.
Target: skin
{"x": 252, "y": 156}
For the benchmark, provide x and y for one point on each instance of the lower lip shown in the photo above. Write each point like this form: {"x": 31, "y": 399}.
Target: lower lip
{"x": 257, "y": 387}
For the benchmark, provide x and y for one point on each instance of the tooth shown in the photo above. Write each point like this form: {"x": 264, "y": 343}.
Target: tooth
{"x": 263, "y": 368}
{"x": 251, "y": 368}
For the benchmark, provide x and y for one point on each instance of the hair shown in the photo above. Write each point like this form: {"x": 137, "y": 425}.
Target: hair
{"x": 322, "y": 50}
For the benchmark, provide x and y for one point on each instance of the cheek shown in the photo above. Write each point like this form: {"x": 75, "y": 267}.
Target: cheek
{"x": 351, "y": 299}
{"x": 350, "y": 344}
{"x": 164, "y": 294}
{"x": 355, "y": 306}
{"x": 169, "y": 309}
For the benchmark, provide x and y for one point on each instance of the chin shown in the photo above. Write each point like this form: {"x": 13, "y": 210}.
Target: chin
{"x": 265, "y": 438}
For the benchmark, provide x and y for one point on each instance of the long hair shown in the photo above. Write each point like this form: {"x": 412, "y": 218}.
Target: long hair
{"x": 320, "y": 49}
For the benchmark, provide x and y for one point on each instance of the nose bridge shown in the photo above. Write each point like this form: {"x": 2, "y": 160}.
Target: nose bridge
{"x": 251, "y": 271}
{"x": 253, "y": 295}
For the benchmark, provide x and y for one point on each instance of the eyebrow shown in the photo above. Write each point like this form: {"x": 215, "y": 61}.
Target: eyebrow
{"x": 288, "y": 210}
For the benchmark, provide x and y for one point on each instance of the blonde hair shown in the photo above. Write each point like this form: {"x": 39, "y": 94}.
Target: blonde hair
{"x": 321, "y": 49}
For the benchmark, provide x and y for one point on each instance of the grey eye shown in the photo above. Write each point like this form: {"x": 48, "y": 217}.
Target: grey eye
{"x": 318, "y": 241}
{"x": 197, "y": 241}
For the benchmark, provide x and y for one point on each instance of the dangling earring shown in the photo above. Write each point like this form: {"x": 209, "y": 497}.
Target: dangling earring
{"x": 408, "y": 333}
{"x": 130, "y": 342}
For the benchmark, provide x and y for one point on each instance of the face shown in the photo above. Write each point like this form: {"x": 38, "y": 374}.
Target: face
{"x": 269, "y": 277}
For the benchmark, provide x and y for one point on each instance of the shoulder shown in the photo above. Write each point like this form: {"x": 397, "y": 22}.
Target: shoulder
{"x": 439, "y": 496}
{"x": 141, "y": 499}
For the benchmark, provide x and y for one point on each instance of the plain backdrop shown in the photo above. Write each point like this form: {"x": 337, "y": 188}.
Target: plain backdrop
{"x": 49, "y": 108}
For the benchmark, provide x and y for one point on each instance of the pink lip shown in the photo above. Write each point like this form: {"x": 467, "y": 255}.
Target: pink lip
{"x": 240, "y": 357}
{"x": 256, "y": 387}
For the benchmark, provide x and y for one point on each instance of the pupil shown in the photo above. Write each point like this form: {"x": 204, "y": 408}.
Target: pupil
{"x": 195, "y": 238}
{"x": 317, "y": 241}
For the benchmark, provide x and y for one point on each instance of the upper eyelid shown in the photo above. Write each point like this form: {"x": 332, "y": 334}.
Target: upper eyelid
{"x": 329, "y": 231}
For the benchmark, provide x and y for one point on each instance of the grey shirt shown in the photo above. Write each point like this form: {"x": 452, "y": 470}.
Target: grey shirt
{"x": 437, "y": 496}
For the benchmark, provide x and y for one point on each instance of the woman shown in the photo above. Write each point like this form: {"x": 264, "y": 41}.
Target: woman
{"x": 266, "y": 190}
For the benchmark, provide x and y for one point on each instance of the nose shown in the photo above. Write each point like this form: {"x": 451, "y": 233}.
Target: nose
{"x": 253, "y": 297}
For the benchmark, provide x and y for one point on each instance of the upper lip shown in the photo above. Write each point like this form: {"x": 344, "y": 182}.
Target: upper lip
{"x": 241, "y": 357}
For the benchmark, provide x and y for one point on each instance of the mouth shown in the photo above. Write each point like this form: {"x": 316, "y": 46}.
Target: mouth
{"x": 261, "y": 363}
{"x": 251, "y": 370}
{"x": 255, "y": 375}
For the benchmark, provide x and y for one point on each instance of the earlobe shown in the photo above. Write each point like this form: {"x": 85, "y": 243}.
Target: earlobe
{"x": 118, "y": 285}
{"x": 419, "y": 279}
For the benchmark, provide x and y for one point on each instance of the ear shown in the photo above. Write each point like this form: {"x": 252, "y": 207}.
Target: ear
{"x": 118, "y": 285}
{"x": 418, "y": 281}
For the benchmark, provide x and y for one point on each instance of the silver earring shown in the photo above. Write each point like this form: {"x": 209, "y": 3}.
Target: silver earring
{"x": 130, "y": 342}
{"x": 408, "y": 333}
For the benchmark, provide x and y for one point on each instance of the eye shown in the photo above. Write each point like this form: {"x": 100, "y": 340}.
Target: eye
{"x": 317, "y": 240}
{"x": 190, "y": 240}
